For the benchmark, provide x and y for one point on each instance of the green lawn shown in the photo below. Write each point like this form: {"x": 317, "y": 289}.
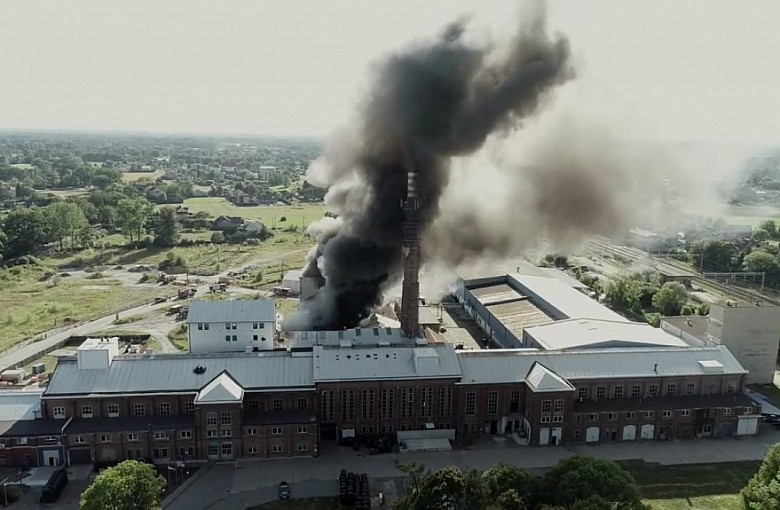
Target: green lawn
{"x": 135, "y": 176}
{"x": 692, "y": 486}
{"x": 302, "y": 504}
{"x": 178, "y": 337}
{"x": 751, "y": 215}
{"x": 299, "y": 215}
{"x": 29, "y": 306}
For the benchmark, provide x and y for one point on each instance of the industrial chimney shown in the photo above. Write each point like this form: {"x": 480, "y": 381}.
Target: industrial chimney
{"x": 410, "y": 293}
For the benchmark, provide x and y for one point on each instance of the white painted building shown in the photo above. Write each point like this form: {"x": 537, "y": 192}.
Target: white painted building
{"x": 231, "y": 326}
{"x": 97, "y": 353}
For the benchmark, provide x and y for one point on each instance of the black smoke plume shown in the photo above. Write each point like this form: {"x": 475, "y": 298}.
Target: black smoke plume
{"x": 426, "y": 105}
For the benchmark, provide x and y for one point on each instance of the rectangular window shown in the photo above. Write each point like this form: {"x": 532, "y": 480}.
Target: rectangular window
{"x": 388, "y": 404}
{"x": 227, "y": 338}
{"x": 546, "y": 406}
{"x": 105, "y": 438}
{"x": 139, "y": 409}
{"x": 78, "y": 439}
{"x": 407, "y": 402}
{"x": 593, "y": 417}
{"x": 327, "y": 406}
{"x": 726, "y": 410}
{"x": 685, "y": 412}
{"x": 652, "y": 390}
{"x": 254, "y": 338}
{"x": 211, "y": 419}
{"x": 426, "y": 402}
{"x": 226, "y": 433}
{"x": 636, "y": 390}
{"x": 277, "y": 431}
{"x": 367, "y": 404}
{"x": 630, "y": 415}
{"x": 617, "y": 392}
{"x": 302, "y": 404}
{"x": 226, "y": 418}
{"x": 348, "y": 405}
{"x": 251, "y": 432}
{"x": 387, "y": 429}
{"x": 471, "y": 404}
{"x": 21, "y": 440}
{"x": 189, "y": 407}
{"x": 206, "y": 326}
{"x": 545, "y": 419}
{"x": 253, "y": 406}
{"x": 493, "y": 403}
{"x": 278, "y": 404}
{"x": 252, "y": 450}
{"x": 213, "y": 450}
{"x": 227, "y": 449}
{"x": 514, "y": 402}
{"x": 303, "y": 447}
{"x": 648, "y": 414}
{"x": 731, "y": 388}
{"x": 235, "y": 338}
{"x": 558, "y": 407}
{"x": 577, "y": 434}
{"x": 200, "y": 326}
{"x": 711, "y": 388}
{"x": 112, "y": 410}
{"x": 277, "y": 448}
{"x": 303, "y": 429}
{"x": 186, "y": 451}
{"x": 58, "y": 412}
{"x": 86, "y": 411}
{"x": 160, "y": 435}
{"x": 132, "y": 436}
{"x": 165, "y": 408}
{"x": 601, "y": 392}
{"x": 748, "y": 410}
{"x": 557, "y": 419}
{"x": 212, "y": 433}
{"x": 690, "y": 388}
{"x": 612, "y": 416}
{"x": 160, "y": 453}
{"x": 185, "y": 434}
{"x": 671, "y": 390}
{"x": 667, "y": 414}
{"x": 582, "y": 393}
{"x": 254, "y": 325}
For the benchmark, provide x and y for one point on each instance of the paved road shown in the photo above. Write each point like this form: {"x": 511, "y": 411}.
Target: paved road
{"x": 246, "y": 483}
{"x": 15, "y": 356}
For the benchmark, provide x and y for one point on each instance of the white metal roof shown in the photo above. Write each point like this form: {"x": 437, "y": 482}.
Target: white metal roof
{"x": 357, "y": 336}
{"x": 221, "y": 389}
{"x": 20, "y": 405}
{"x": 238, "y": 310}
{"x": 175, "y": 373}
{"x": 562, "y": 297}
{"x": 511, "y": 365}
{"x": 592, "y": 333}
{"x": 393, "y": 362}
{"x": 541, "y": 379}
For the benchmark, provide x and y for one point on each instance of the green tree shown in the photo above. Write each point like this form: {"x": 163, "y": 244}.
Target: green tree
{"x": 761, "y": 261}
{"x": 64, "y": 220}
{"x": 670, "y": 298}
{"x": 130, "y": 485}
{"x": 624, "y": 292}
{"x": 166, "y": 228}
{"x": 719, "y": 255}
{"x": 579, "y": 478}
{"x": 761, "y": 235}
{"x": 26, "y": 231}
{"x": 763, "y": 490}
{"x": 509, "y": 500}
{"x": 771, "y": 227}
{"x": 132, "y": 215}
{"x": 502, "y": 478}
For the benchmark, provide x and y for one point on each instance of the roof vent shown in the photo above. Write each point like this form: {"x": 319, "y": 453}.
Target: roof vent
{"x": 200, "y": 369}
{"x": 711, "y": 366}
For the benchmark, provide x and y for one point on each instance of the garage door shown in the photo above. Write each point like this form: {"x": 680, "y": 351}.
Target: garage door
{"x": 648, "y": 431}
{"x": 592, "y": 435}
{"x": 544, "y": 437}
{"x": 80, "y": 456}
{"x": 629, "y": 433}
{"x": 747, "y": 426}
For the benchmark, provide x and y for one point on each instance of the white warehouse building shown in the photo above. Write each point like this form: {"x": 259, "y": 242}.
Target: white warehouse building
{"x": 231, "y": 326}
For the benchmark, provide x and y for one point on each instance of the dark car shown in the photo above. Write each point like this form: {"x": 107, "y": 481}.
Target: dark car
{"x": 284, "y": 490}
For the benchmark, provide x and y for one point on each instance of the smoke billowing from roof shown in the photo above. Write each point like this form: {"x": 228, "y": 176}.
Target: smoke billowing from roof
{"x": 427, "y": 105}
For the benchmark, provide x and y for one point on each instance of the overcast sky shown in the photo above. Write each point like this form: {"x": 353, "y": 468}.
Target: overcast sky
{"x": 692, "y": 70}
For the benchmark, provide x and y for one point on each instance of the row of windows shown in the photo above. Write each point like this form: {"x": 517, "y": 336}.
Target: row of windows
{"x": 234, "y": 338}
{"x": 230, "y": 325}
{"x": 223, "y": 418}
{"x": 492, "y": 403}
{"x": 653, "y": 390}
{"x": 112, "y": 410}
{"x": 133, "y": 436}
{"x": 277, "y": 404}
{"x": 550, "y": 406}
{"x": 726, "y": 411}
{"x": 413, "y": 401}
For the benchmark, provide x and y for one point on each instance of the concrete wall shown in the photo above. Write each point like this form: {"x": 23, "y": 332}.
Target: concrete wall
{"x": 752, "y": 334}
{"x": 214, "y": 339}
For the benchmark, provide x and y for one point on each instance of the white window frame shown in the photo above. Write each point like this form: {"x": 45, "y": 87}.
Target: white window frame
{"x": 165, "y": 408}
{"x": 302, "y": 447}
{"x": 138, "y": 406}
{"x": 185, "y": 434}
{"x": 87, "y": 411}
{"x": 303, "y": 429}
{"x": 277, "y": 431}
{"x": 253, "y": 450}
{"x": 58, "y": 412}
{"x": 112, "y": 410}
{"x": 132, "y": 436}
{"x": 159, "y": 435}
{"x": 277, "y": 448}
{"x": 251, "y": 432}
{"x": 189, "y": 407}
{"x": 78, "y": 440}
{"x": 685, "y": 412}
{"x": 105, "y": 438}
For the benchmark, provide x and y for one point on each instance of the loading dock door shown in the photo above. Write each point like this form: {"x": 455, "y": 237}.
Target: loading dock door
{"x": 544, "y": 436}
{"x": 592, "y": 435}
{"x": 629, "y": 433}
{"x": 79, "y": 456}
{"x": 747, "y": 426}
{"x": 648, "y": 431}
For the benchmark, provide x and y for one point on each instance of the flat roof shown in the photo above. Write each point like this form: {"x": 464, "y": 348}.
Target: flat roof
{"x": 592, "y": 333}
{"x": 356, "y": 336}
{"x": 232, "y": 310}
{"x": 384, "y": 363}
{"x": 516, "y": 316}
{"x": 20, "y": 405}
{"x": 511, "y": 365}
{"x": 175, "y": 373}
{"x": 693, "y": 325}
{"x": 98, "y": 344}
{"x": 497, "y": 293}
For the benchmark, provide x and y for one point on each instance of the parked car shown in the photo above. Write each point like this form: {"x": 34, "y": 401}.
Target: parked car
{"x": 284, "y": 490}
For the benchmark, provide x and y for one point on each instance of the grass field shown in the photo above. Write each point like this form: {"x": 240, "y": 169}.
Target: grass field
{"x": 693, "y": 486}
{"x": 751, "y": 215}
{"x": 300, "y": 215}
{"x": 29, "y": 306}
{"x": 178, "y": 337}
{"x": 135, "y": 176}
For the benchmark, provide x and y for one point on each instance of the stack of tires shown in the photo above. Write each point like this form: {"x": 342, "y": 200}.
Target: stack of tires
{"x": 353, "y": 489}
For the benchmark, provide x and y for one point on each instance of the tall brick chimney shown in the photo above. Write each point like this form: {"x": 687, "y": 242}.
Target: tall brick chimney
{"x": 410, "y": 293}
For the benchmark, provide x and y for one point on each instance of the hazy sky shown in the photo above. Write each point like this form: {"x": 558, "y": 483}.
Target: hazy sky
{"x": 700, "y": 70}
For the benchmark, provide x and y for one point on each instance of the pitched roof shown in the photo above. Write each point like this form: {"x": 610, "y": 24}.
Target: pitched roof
{"x": 239, "y": 310}
{"x": 221, "y": 389}
{"x": 542, "y": 379}
{"x": 166, "y": 373}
